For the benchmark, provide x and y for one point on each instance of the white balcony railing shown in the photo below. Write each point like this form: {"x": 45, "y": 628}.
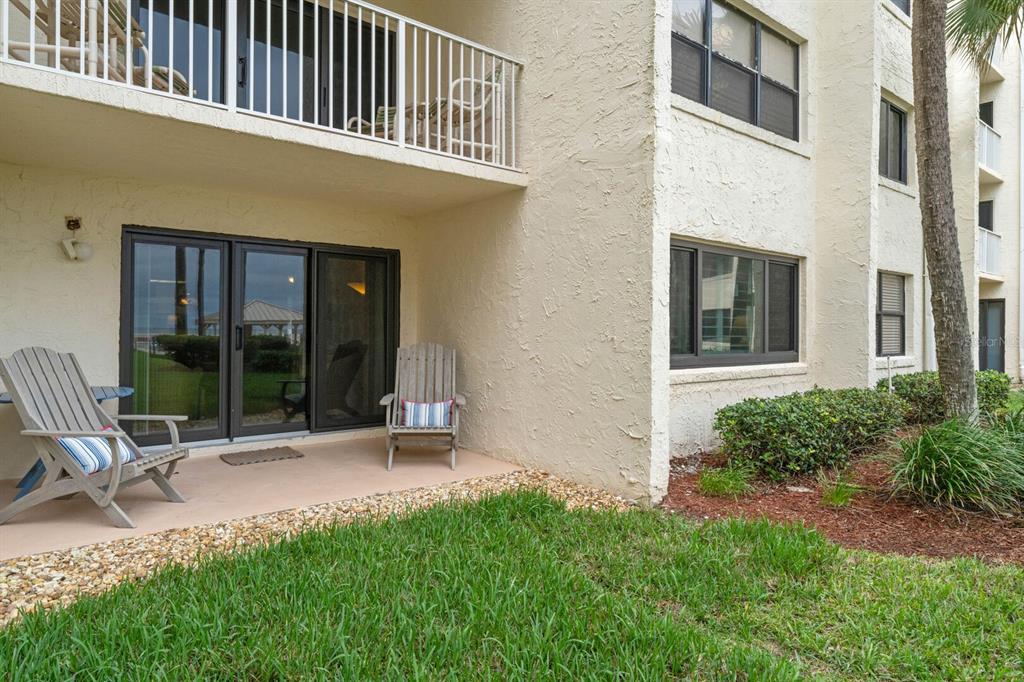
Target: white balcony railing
{"x": 342, "y": 65}
{"x": 989, "y": 246}
{"x": 988, "y": 146}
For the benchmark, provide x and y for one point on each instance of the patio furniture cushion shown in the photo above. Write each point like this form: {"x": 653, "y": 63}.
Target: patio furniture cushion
{"x": 422, "y": 415}
{"x": 93, "y": 454}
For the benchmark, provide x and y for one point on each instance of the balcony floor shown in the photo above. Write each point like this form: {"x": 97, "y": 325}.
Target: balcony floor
{"x": 218, "y": 492}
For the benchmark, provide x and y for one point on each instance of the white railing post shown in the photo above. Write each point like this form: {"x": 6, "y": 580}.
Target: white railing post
{"x": 231, "y": 54}
{"x": 400, "y": 85}
{"x": 93, "y": 13}
{"x": 5, "y": 32}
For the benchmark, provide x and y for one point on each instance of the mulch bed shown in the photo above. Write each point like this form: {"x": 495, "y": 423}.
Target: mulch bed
{"x": 872, "y": 521}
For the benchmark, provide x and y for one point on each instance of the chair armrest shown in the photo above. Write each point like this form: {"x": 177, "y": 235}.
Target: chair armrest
{"x": 167, "y": 419}
{"x": 109, "y": 433}
{"x": 460, "y": 400}
{"x": 388, "y": 399}
{"x": 151, "y": 417}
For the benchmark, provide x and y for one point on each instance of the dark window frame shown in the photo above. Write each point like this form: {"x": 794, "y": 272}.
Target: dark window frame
{"x": 888, "y": 111}
{"x": 708, "y": 55}
{"x": 697, "y": 358}
{"x": 880, "y": 315}
{"x": 132, "y": 234}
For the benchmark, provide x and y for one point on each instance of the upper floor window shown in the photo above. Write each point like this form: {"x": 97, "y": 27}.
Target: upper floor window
{"x": 986, "y": 113}
{"x": 892, "y": 135}
{"x": 903, "y": 5}
{"x": 730, "y": 307}
{"x": 985, "y": 220}
{"x": 726, "y": 60}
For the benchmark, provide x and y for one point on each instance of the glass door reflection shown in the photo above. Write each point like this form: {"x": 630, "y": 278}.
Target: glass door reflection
{"x": 269, "y": 339}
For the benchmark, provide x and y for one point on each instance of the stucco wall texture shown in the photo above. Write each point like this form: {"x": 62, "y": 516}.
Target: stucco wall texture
{"x": 548, "y": 293}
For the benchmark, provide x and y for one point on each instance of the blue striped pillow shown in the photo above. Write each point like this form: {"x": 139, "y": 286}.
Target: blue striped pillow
{"x": 93, "y": 454}
{"x": 427, "y": 415}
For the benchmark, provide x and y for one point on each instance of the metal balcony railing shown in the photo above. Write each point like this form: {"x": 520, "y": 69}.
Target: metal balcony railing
{"x": 988, "y": 146}
{"x": 989, "y": 247}
{"x": 342, "y": 65}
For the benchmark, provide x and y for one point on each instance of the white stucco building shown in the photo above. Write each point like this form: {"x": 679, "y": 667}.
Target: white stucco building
{"x": 623, "y": 215}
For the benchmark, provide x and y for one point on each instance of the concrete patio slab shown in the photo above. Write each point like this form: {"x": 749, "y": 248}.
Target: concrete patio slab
{"x": 217, "y": 492}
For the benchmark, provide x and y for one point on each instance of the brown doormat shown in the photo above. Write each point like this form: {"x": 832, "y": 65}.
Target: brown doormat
{"x": 267, "y": 455}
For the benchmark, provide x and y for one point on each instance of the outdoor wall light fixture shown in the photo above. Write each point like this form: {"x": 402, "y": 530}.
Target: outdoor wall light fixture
{"x": 75, "y": 249}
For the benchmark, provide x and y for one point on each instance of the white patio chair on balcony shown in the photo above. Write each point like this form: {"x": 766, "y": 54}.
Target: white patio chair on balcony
{"x": 472, "y": 115}
{"x": 98, "y": 54}
{"x": 81, "y": 447}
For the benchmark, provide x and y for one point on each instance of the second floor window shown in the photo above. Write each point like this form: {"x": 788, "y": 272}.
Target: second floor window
{"x": 726, "y": 60}
{"x": 892, "y": 135}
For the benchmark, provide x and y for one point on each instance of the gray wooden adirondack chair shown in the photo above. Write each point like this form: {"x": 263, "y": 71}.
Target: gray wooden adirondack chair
{"x": 425, "y": 373}
{"x": 53, "y": 400}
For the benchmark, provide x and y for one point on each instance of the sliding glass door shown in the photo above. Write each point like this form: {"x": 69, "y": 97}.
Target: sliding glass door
{"x": 174, "y": 352}
{"x": 269, "y": 340}
{"x": 248, "y": 338}
{"x": 352, "y": 339}
{"x": 286, "y": 62}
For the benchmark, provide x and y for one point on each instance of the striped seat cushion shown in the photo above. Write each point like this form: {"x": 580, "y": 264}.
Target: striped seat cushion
{"x": 93, "y": 454}
{"x": 427, "y": 415}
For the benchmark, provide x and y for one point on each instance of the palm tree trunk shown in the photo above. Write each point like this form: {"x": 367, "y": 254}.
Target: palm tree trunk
{"x": 953, "y": 340}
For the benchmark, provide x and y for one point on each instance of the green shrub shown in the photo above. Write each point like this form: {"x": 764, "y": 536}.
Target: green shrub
{"x": 804, "y": 432}
{"x": 963, "y": 466}
{"x": 837, "y": 491}
{"x": 923, "y": 394}
{"x": 1011, "y": 423}
{"x": 731, "y": 481}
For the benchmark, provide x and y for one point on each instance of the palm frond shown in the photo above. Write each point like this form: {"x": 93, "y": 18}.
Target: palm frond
{"x": 976, "y": 27}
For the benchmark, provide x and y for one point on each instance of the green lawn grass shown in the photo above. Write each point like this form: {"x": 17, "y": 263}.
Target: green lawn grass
{"x": 517, "y": 587}
{"x": 1016, "y": 400}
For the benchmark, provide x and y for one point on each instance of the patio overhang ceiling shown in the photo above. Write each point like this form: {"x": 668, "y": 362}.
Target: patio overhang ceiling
{"x": 100, "y": 129}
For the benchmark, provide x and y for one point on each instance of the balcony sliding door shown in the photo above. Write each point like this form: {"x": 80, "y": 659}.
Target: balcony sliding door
{"x": 285, "y": 65}
{"x": 198, "y": 57}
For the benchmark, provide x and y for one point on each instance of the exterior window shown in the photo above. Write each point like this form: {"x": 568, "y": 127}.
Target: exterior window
{"x": 892, "y": 153}
{"x": 985, "y": 215}
{"x": 892, "y": 320}
{"x": 987, "y": 114}
{"x": 903, "y": 5}
{"x": 724, "y": 59}
{"x": 731, "y": 307}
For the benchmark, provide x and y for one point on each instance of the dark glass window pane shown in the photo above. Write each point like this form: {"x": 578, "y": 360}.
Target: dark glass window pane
{"x": 781, "y": 304}
{"x": 985, "y": 214}
{"x": 986, "y": 114}
{"x": 687, "y": 69}
{"x": 205, "y": 29}
{"x": 891, "y": 293}
{"x": 778, "y": 110}
{"x": 892, "y": 135}
{"x": 903, "y": 5}
{"x": 732, "y": 304}
{"x": 732, "y": 90}
{"x": 681, "y": 295}
{"x": 274, "y": 329}
{"x": 176, "y": 335}
{"x": 351, "y": 363}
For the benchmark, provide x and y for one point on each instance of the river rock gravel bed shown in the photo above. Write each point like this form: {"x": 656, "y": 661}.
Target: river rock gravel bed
{"x": 59, "y": 577}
